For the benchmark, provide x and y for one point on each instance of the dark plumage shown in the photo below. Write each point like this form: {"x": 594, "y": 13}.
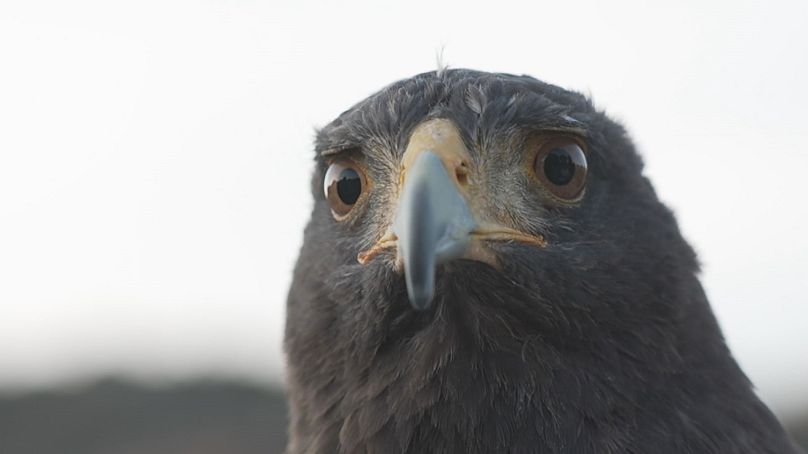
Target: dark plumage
{"x": 602, "y": 341}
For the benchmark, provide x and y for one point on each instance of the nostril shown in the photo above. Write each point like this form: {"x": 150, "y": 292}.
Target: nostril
{"x": 462, "y": 173}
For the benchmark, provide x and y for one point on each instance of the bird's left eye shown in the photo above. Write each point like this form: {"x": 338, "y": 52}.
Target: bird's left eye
{"x": 343, "y": 185}
{"x": 560, "y": 165}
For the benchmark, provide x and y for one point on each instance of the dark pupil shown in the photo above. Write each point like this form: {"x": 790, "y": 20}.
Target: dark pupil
{"x": 559, "y": 167}
{"x": 349, "y": 186}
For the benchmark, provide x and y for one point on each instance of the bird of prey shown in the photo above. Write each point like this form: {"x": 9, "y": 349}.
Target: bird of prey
{"x": 487, "y": 270}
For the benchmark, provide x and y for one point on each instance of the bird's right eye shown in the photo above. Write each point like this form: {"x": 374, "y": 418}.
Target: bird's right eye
{"x": 343, "y": 185}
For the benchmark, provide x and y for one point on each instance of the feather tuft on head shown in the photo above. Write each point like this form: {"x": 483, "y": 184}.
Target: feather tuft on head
{"x": 442, "y": 65}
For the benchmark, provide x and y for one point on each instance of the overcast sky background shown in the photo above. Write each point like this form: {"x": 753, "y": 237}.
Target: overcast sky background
{"x": 155, "y": 158}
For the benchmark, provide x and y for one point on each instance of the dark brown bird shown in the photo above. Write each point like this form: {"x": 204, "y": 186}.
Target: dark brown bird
{"x": 486, "y": 270}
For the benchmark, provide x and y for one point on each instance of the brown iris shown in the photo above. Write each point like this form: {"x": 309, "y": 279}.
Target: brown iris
{"x": 343, "y": 186}
{"x": 560, "y": 165}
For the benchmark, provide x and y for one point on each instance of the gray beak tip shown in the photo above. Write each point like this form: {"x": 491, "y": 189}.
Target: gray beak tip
{"x": 421, "y": 299}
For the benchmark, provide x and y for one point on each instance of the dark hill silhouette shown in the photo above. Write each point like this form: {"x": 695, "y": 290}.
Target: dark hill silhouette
{"x": 115, "y": 417}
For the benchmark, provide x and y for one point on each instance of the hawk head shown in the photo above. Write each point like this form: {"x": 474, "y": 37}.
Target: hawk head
{"x": 486, "y": 266}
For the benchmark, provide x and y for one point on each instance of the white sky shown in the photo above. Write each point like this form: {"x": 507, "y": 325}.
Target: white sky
{"x": 154, "y": 161}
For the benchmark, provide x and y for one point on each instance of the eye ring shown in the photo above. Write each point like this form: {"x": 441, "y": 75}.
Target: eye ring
{"x": 560, "y": 165}
{"x": 344, "y": 186}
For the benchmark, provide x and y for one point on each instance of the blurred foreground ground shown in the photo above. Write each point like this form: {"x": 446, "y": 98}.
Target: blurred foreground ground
{"x": 115, "y": 417}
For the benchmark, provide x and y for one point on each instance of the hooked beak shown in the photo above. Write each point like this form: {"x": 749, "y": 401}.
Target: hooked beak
{"x": 434, "y": 222}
